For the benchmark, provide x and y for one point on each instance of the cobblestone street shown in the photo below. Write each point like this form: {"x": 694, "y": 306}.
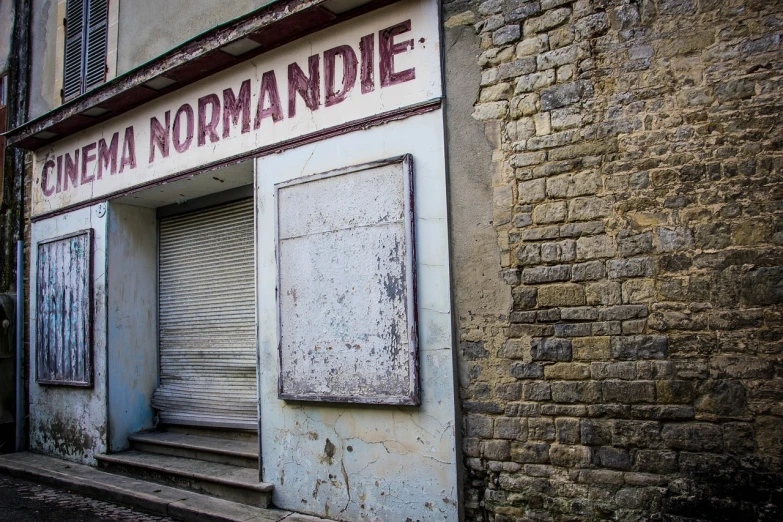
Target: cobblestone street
{"x": 24, "y": 501}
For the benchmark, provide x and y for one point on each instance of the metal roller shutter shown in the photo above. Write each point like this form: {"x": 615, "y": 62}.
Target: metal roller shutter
{"x": 207, "y": 318}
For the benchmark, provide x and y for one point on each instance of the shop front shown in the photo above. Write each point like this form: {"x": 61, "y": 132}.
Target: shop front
{"x": 262, "y": 255}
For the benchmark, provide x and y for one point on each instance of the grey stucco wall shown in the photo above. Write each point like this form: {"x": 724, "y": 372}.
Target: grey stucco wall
{"x": 43, "y": 40}
{"x": 476, "y": 263}
{"x": 6, "y": 27}
{"x": 481, "y": 300}
{"x": 147, "y": 31}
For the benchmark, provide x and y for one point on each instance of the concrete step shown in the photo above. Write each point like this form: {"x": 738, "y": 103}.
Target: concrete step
{"x": 241, "y": 453}
{"x": 220, "y": 433}
{"x": 140, "y": 495}
{"x": 224, "y": 481}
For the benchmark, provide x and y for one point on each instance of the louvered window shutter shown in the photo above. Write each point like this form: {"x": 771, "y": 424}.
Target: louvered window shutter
{"x": 74, "y": 48}
{"x": 86, "y": 32}
{"x": 97, "y": 30}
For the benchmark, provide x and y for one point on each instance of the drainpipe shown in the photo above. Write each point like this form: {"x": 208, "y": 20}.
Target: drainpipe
{"x": 19, "y": 421}
{"x": 19, "y": 72}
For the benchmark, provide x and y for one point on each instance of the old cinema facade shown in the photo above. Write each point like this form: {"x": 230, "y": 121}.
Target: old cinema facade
{"x": 262, "y": 250}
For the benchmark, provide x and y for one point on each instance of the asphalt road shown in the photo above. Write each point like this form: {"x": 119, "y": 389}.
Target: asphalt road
{"x": 24, "y": 501}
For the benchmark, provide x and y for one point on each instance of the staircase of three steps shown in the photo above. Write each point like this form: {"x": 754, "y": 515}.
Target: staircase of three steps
{"x": 220, "y": 463}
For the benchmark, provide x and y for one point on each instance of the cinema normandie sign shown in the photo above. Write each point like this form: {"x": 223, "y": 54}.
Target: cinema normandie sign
{"x": 376, "y": 64}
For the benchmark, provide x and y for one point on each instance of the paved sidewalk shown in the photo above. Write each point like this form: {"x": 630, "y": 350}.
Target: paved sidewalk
{"x": 146, "y": 497}
{"x": 25, "y": 501}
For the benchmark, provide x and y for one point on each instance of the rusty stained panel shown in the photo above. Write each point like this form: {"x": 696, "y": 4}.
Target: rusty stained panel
{"x": 64, "y": 310}
{"x": 347, "y": 312}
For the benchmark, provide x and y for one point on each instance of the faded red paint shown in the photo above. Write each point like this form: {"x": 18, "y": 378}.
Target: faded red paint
{"x": 128, "y": 150}
{"x": 107, "y": 155}
{"x": 159, "y": 136}
{"x": 348, "y": 57}
{"x": 179, "y": 145}
{"x": 71, "y": 170}
{"x": 208, "y": 128}
{"x": 268, "y": 89}
{"x": 87, "y": 157}
{"x": 47, "y": 169}
{"x": 235, "y": 107}
{"x": 367, "y": 49}
{"x": 308, "y": 88}
{"x": 388, "y": 49}
{"x": 59, "y": 174}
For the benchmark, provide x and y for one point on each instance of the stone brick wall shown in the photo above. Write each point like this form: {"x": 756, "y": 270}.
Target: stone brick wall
{"x": 637, "y": 205}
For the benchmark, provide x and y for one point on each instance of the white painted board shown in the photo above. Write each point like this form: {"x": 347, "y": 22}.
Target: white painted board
{"x": 347, "y": 316}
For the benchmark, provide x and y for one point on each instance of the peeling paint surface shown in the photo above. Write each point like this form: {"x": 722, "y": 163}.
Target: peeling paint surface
{"x": 71, "y": 422}
{"x": 347, "y": 333}
{"x": 359, "y": 462}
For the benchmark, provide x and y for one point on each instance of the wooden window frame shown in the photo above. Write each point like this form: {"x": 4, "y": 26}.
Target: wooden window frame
{"x": 83, "y": 38}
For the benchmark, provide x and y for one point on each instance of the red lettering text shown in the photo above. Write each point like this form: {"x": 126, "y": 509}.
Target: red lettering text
{"x": 208, "y": 129}
{"x": 179, "y": 145}
{"x": 159, "y": 136}
{"x": 47, "y": 169}
{"x": 308, "y": 88}
{"x": 234, "y": 107}
{"x": 387, "y": 49}
{"x": 107, "y": 156}
{"x": 349, "y": 74}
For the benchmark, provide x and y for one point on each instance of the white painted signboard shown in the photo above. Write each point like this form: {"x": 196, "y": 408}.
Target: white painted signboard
{"x": 376, "y": 64}
{"x": 347, "y": 284}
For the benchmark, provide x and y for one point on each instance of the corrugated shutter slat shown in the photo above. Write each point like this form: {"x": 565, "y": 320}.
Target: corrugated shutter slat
{"x": 207, "y": 318}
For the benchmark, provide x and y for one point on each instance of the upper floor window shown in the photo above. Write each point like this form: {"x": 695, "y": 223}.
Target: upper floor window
{"x": 86, "y": 38}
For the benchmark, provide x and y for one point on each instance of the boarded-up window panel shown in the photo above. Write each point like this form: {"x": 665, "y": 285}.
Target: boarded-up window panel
{"x": 346, "y": 300}
{"x": 64, "y": 310}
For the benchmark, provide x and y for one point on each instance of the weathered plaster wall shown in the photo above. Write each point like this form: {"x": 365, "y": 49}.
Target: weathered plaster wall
{"x": 44, "y": 94}
{"x": 6, "y": 28}
{"x": 636, "y": 181}
{"x": 146, "y": 30}
{"x": 132, "y": 321}
{"x": 70, "y": 422}
{"x": 139, "y": 30}
{"x": 366, "y": 462}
